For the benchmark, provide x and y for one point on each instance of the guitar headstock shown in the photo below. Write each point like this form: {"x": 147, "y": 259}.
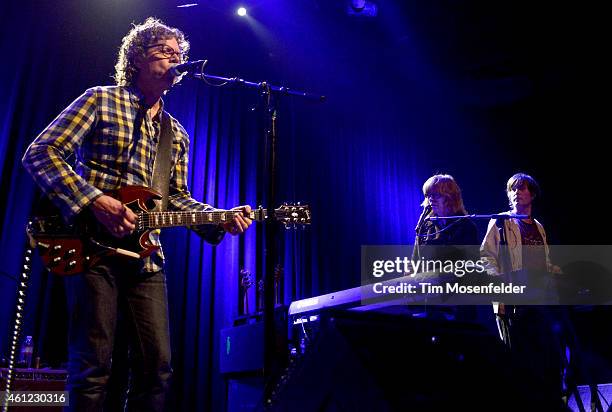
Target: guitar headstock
{"x": 293, "y": 215}
{"x": 246, "y": 280}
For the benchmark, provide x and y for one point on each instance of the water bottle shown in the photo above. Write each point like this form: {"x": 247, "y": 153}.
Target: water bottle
{"x": 27, "y": 348}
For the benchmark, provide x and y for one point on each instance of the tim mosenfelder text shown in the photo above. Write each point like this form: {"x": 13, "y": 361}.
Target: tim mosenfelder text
{"x": 429, "y": 288}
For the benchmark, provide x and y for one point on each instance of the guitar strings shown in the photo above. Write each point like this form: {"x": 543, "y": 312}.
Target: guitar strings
{"x": 175, "y": 218}
{"x": 158, "y": 219}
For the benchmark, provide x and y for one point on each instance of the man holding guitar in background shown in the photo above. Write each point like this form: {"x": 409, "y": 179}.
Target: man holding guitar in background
{"x": 118, "y": 134}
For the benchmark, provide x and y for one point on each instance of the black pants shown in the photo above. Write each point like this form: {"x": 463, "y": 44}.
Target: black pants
{"x": 95, "y": 299}
{"x": 538, "y": 341}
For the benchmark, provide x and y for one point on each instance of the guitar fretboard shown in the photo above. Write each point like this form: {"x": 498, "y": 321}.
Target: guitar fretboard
{"x": 155, "y": 220}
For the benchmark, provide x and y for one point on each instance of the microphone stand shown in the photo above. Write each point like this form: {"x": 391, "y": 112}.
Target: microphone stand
{"x": 273, "y": 360}
{"x": 263, "y": 87}
{"x": 499, "y": 216}
{"x": 416, "y": 253}
{"x": 502, "y": 321}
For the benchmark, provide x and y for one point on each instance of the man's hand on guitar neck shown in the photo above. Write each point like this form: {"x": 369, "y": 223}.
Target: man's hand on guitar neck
{"x": 240, "y": 222}
{"x": 118, "y": 219}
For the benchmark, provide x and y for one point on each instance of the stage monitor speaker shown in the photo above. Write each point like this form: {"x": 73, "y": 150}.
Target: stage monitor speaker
{"x": 376, "y": 362}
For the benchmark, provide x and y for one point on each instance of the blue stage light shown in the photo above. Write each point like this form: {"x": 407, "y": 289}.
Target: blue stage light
{"x": 241, "y": 11}
{"x": 362, "y": 8}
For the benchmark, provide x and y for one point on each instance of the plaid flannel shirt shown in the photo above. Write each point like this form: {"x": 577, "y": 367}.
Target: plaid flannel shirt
{"x": 115, "y": 143}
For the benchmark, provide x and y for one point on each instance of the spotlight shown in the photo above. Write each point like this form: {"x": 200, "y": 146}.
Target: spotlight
{"x": 241, "y": 12}
{"x": 362, "y": 8}
{"x": 358, "y": 5}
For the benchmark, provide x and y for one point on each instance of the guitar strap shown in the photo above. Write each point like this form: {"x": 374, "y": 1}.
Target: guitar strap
{"x": 163, "y": 159}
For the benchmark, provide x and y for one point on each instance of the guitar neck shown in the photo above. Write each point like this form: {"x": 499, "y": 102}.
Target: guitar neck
{"x": 156, "y": 220}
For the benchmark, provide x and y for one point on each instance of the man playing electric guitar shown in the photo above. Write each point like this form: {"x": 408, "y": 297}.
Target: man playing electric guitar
{"x": 115, "y": 133}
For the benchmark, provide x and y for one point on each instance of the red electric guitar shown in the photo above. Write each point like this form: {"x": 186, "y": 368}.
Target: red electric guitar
{"x": 67, "y": 249}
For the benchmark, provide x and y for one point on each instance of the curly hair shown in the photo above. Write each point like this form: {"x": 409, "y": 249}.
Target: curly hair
{"x": 447, "y": 186}
{"x": 134, "y": 43}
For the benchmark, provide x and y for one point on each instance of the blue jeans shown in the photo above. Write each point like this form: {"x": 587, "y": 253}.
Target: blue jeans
{"x": 95, "y": 299}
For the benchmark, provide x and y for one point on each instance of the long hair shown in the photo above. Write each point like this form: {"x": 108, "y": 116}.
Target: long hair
{"x": 447, "y": 187}
{"x": 134, "y": 43}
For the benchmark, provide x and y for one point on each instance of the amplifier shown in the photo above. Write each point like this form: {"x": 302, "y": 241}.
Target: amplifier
{"x": 242, "y": 347}
{"x": 40, "y": 380}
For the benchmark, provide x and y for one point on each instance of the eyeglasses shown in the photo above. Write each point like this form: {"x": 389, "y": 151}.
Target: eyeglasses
{"x": 167, "y": 51}
{"x": 434, "y": 196}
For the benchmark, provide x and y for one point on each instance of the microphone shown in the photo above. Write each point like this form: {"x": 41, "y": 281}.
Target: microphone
{"x": 426, "y": 211}
{"x": 188, "y": 67}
